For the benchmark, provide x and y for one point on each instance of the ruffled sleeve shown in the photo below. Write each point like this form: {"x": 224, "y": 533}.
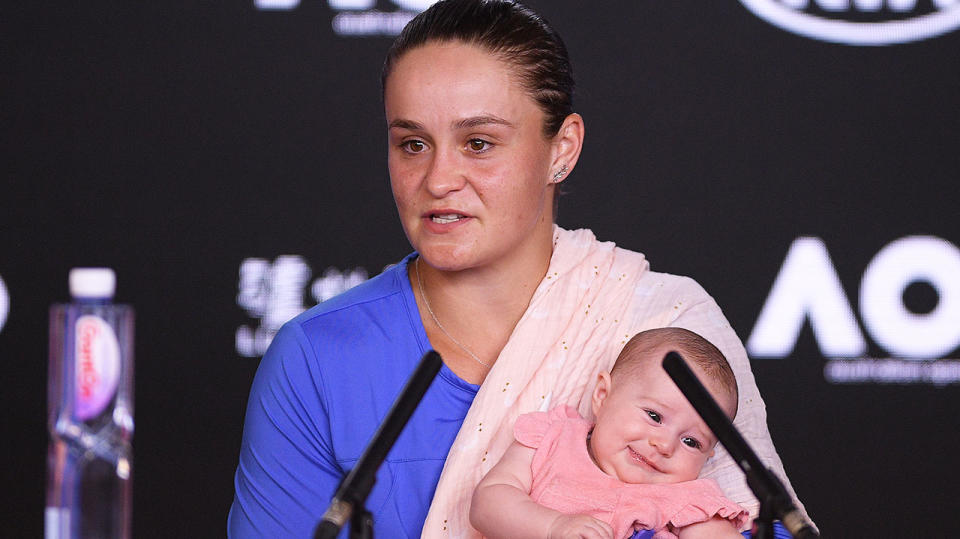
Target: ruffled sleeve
{"x": 530, "y": 428}
{"x": 705, "y": 500}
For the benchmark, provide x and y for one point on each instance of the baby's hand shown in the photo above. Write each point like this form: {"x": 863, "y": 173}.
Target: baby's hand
{"x": 579, "y": 527}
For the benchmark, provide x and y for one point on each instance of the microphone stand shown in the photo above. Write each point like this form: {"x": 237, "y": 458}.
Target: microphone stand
{"x": 775, "y": 502}
{"x": 352, "y": 493}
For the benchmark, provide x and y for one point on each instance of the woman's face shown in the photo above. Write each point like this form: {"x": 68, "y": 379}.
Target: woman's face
{"x": 469, "y": 165}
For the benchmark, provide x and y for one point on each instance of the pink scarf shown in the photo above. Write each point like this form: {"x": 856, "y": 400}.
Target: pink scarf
{"x": 594, "y": 297}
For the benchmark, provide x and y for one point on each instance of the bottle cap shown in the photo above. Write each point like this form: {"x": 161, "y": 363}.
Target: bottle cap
{"x": 92, "y": 282}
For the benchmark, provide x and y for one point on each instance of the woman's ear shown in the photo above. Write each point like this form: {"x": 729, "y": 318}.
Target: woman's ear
{"x": 567, "y": 144}
{"x": 600, "y": 392}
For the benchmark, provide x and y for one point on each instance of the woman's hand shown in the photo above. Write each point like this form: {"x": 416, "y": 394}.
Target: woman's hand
{"x": 579, "y": 527}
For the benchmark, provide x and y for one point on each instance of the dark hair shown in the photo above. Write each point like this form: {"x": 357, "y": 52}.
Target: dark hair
{"x": 691, "y": 346}
{"x": 508, "y": 29}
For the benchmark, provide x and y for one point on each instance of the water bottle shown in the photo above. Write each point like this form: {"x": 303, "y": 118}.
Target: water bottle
{"x": 90, "y": 404}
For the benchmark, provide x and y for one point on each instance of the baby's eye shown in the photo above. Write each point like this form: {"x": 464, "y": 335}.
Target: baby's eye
{"x": 478, "y": 145}
{"x": 413, "y": 146}
{"x": 654, "y": 416}
{"x": 691, "y": 442}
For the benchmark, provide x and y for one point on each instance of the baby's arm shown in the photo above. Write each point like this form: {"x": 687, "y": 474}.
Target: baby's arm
{"x": 502, "y": 507}
{"x": 715, "y": 527}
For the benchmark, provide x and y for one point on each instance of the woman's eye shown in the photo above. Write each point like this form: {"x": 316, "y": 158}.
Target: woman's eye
{"x": 478, "y": 145}
{"x": 653, "y": 415}
{"x": 691, "y": 442}
{"x": 413, "y": 146}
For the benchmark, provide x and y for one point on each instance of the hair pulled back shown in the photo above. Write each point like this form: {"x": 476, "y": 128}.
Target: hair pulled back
{"x": 507, "y": 29}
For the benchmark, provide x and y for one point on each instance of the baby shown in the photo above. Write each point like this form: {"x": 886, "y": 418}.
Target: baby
{"x": 634, "y": 468}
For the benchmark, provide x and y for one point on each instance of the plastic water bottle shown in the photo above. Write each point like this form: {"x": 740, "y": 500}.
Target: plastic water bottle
{"x": 90, "y": 404}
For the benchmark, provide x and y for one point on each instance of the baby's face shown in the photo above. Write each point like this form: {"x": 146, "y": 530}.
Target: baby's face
{"x": 646, "y": 430}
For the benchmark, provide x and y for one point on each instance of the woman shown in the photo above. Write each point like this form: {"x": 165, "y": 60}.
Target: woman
{"x": 477, "y": 96}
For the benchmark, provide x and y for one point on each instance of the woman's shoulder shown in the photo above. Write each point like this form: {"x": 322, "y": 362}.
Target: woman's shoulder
{"x": 653, "y": 281}
{"x": 673, "y": 284}
{"x": 388, "y": 284}
{"x": 375, "y": 318}
{"x": 636, "y": 263}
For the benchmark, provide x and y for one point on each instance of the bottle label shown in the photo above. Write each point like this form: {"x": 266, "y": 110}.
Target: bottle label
{"x": 97, "y": 368}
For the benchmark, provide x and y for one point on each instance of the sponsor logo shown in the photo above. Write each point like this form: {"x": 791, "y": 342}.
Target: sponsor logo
{"x": 97, "y": 366}
{"x": 4, "y": 303}
{"x": 860, "y": 22}
{"x": 918, "y": 335}
{"x": 87, "y": 377}
{"x": 360, "y": 17}
{"x": 273, "y": 292}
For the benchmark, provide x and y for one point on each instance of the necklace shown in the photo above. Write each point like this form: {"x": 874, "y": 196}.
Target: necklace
{"x": 426, "y": 302}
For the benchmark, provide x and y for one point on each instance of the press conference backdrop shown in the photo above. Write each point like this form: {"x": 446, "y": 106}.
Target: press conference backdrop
{"x": 799, "y": 158}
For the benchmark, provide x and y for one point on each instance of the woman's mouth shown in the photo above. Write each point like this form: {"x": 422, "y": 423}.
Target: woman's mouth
{"x": 446, "y": 218}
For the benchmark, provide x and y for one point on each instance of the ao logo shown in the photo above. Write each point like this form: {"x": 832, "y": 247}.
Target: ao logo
{"x": 4, "y": 303}
{"x": 789, "y": 15}
{"x": 346, "y": 5}
{"x": 808, "y": 287}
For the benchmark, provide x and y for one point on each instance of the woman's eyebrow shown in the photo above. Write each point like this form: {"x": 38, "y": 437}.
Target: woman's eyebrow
{"x": 484, "y": 119}
{"x": 466, "y": 123}
{"x": 405, "y": 124}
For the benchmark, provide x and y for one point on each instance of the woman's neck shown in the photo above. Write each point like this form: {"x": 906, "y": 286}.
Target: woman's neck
{"x": 470, "y": 314}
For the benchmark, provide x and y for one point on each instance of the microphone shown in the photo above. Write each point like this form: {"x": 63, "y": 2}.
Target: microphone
{"x": 356, "y": 486}
{"x": 764, "y": 483}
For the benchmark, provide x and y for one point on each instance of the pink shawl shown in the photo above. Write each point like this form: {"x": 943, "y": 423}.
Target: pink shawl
{"x": 594, "y": 297}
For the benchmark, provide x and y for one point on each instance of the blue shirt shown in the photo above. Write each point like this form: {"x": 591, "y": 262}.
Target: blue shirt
{"x": 327, "y": 381}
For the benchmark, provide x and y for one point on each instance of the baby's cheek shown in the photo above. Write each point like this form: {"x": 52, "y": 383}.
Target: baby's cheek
{"x": 692, "y": 468}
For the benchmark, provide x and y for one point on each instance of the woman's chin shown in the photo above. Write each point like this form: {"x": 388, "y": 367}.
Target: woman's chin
{"x": 446, "y": 257}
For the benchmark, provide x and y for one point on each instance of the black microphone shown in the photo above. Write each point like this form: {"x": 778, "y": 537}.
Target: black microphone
{"x": 356, "y": 486}
{"x": 764, "y": 483}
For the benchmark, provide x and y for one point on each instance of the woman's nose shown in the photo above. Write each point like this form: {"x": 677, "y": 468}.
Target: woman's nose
{"x": 444, "y": 175}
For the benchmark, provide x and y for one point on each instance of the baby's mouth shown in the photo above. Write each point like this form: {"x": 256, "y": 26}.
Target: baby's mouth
{"x": 641, "y": 459}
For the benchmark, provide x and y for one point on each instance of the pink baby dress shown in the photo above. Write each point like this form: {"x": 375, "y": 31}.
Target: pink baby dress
{"x": 566, "y": 479}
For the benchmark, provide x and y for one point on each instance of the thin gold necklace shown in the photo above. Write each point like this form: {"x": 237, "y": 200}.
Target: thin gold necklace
{"x": 416, "y": 268}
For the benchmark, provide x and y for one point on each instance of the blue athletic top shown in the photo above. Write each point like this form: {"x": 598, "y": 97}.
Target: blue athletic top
{"x": 324, "y": 385}
{"x": 327, "y": 381}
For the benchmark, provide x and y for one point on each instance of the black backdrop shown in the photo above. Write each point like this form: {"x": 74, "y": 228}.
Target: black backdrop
{"x": 174, "y": 141}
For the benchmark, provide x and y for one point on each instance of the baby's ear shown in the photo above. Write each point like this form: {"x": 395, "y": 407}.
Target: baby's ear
{"x": 600, "y": 392}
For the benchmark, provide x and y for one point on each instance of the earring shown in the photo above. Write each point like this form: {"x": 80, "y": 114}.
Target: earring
{"x": 560, "y": 174}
